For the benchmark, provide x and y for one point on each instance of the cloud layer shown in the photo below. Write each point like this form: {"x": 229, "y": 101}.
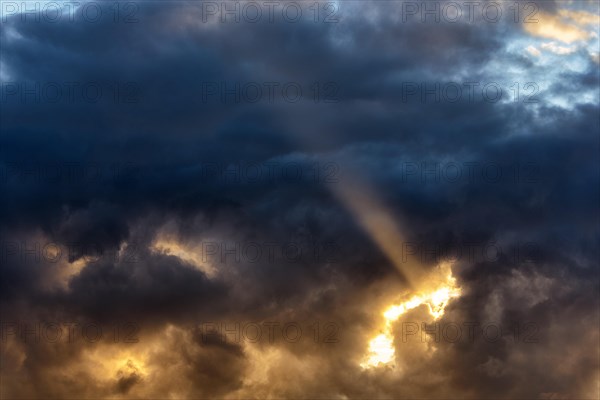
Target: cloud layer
{"x": 188, "y": 182}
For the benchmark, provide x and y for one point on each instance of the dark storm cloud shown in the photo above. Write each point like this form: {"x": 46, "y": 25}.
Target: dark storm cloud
{"x": 140, "y": 161}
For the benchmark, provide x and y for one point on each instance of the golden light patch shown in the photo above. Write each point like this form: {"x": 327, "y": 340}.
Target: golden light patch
{"x": 439, "y": 289}
{"x": 565, "y": 26}
{"x": 109, "y": 362}
{"x": 184, "y": 252}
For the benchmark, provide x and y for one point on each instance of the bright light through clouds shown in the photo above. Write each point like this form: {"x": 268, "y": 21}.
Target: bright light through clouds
{"x": 440, "y": 286}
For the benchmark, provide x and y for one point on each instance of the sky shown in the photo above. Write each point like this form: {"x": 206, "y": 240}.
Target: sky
{"x": 374, "y": 199}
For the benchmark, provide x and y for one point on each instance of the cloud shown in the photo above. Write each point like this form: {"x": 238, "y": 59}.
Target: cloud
{"x": 533, "y": 51}
{"x": 567, "y": 26}
{"x": 141, "y": 214}
{"x": 556, "y": 49}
